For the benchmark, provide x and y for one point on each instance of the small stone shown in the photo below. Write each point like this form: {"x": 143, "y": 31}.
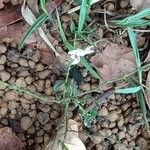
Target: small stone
{"x": 5, "y": 76}
{"x": 20, "y": 82}
{"x": 40, "y": 132}
{"x": 12, "y": 105}
{"x": 2, "y": 59}
{"x": 124, "y": 3}
{"x": 39, "y": 67}
{"x": 11, "y": 95}
{"x": 30, "y": 142}
{"x": 43, "y": 117}
{"x": 32, "y": 114}
{"x": 39, "y": 85}
{"x": 3, "y": 48}
{"x": 43, "y": 107}
{"x": 54, "y": 114}
{"x": 121, "y": 135}
{"x": 120, "y": 122}
{"x": 36, "y": 57}
{"x": 31, "y": 130}
{"x": 85, "y": 87}
{"x": 112, "y": 125}
{"x": 26, "y": 122}
{"x": 1, "y": 67}
{"x": 29, "y": 79}
{"x": 44, "y": 74}
{"x": 39, "y": 139}
{"x": 96, "y": 139}
{"x": 13, "y": 55}
{"x": 65, "y": 18}
{"x": 99, "y": 147}
{"x": 25, "y": 106}
{"x": 48, "y": 91}
{"x": 113, "y": 116}
{"x": 47, "y": 127}
{"x": 47, "y": 83}
{"x": 3, "y": 109}
{"x": 31, "y": 64}
{"x": 23, "y": 62}
{"x": 103, "y": 112}
{"x": 120, "y": 147}
{"x": 142, "y": 142}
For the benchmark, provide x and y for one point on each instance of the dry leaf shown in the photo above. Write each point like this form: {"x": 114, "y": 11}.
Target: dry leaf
{"x": 140, "y": 4}
{"x": 8, "y": 141}
{"x": 69, "y": 138}
{"x": 148, "y": 92}
{"x": 114, "y": 61}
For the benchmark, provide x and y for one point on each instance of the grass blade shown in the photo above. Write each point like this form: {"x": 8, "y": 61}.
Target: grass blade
{"x": 70, "y": 47}
{"x": 135, "y": 20}
{"x": 89, "y": 68}
{"x": 43, "y": 4}
{"x": 133, "y": 41}
{"x": 129, "y": 90}
{"x": 36, "y": 24}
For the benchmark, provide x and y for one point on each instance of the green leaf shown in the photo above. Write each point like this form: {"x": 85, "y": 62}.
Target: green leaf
{"x": 135, "y": 20}
{"x": 89, "y": 68}
{"x": 133, "y": 41}
{"x": 36, "y": 24}
{"x": 72, "y": 26}
{"x": 43, "y": 4}
{"x": 58, "y": 84}
{"x": 129, "y": 90}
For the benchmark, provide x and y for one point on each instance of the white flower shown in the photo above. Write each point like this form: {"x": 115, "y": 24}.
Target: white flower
{"x": 77, "y": 53}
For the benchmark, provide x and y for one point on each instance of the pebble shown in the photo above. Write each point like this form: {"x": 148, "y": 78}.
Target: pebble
{"x": 120, "y": 147}
{"x": 33, "y": 114}
{"x": 3, "y": 109}
{"x": 20, "y": 82}
{"x": 38, "y": 139}
{"x": 11, "y": 95}
{"x": 54, "y": 114}
{"x": 48, "y": 91}
{"x": 23, "y": 62}
{"x": 140, "y": 141}
{"x": 85, "y": 87}
{"x": 113, "y": 116}
{"x": 121, "y": 135}
{"x": 31, "y": 130}
{"x": 103, "y": 112}
{"x": 47, "y": 127}
{"x": 36, "y": 57}
{"x": 13, "y": 55}
{"x": 31, "y": 64}
{"x": 12, "y": 105}
{"x": 3, "y": 59}
{"x": 30, "y": 142}
{"x": 3, "y": 48}
{"x": 97, "y": 139}
{"x": 26, "y": 122}
{"x": 39, "y": 85}
{"x": 1, "y": 67}
{"x": 120, "y": 122}
{"x": 5, "y": 76}
{"x": 65, "y": 18}
{"x": 28, "y": 79}
{"x": 43, "y": 107}
{"x": 43, "y": 117}
{"x": 39, "y": 67}
{"x": 44, "y": 74}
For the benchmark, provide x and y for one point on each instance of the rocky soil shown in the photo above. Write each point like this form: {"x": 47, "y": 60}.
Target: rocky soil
{"x": 119, "y": 122}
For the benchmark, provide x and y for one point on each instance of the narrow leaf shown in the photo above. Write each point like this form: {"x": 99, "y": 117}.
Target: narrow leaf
{"x": 36, "y": 24}
{"x": 128, "y": 90}
{"x": 43, "y": 4}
